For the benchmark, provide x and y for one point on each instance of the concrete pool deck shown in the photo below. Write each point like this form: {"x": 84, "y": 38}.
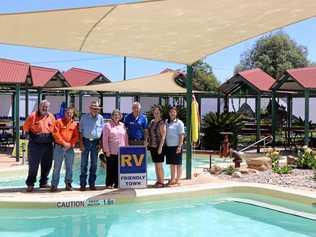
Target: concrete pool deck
{"x": 202, "y": 183}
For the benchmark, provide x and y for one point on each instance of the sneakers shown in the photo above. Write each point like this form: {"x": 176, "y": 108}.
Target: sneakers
{"x": 44, "y": 186}
{"x": 53, "y": 189}
{"x": 68, "y": 187}
{"x": 29, "y": 189}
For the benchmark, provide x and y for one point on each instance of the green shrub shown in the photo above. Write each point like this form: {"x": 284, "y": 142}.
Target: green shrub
{"x": 230, "y": 170}
{"x": 275, "y": 158}
{"x": 282, "y": 170}
{"x": 214, "y": 123}
{"x": 181, "y": 113}
{"x": 306, "y": 159}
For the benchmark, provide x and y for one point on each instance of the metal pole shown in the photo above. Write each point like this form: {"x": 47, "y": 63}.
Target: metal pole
{"x": 306, "y": 122}
{"x": 17, "y": 123}
{"x": 273, "y": 117}
{"x": 258, "y": 118}
{"x": 188, "y": 122}
{"x": 124, "y": 71}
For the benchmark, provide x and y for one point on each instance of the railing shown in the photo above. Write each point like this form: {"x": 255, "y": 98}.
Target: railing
{"x": 264, "y": 140}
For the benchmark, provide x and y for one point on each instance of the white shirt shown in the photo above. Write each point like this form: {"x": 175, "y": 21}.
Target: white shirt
{"x": 174, "y": 129}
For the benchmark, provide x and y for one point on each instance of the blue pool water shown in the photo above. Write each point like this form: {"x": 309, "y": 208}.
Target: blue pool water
{"x": 18, "y": 179}
{"x": 199, "y": 216}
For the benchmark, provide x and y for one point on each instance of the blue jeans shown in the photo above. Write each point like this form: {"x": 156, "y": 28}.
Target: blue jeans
{"x": 59, "y": 155}
{"x": 90, "y": 148}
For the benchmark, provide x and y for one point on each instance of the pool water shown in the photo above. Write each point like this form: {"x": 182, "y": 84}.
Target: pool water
{"x": 199, "y": 216}
{"x": 18, "y": 179}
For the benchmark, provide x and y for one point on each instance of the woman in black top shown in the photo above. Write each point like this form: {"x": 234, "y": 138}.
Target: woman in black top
{"x": 157, "y": 135}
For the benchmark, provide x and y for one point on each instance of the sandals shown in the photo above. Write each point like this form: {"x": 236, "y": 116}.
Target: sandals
{"x": 159, "y": 185}
{"x": 173, "y": 183}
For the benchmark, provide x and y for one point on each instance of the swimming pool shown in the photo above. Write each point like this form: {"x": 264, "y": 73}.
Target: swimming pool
{"x": 17, "y": 178}
{"x": 191, "y": 216}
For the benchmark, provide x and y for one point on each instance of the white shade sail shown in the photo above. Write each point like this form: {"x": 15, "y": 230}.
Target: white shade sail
{"x": 181, "y": 31}
{"x": 163, "y": 83}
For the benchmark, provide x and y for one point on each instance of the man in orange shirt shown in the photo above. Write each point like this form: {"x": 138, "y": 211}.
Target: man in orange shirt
{"x": 40, "y": 126}
{"x": 66, "y": 135}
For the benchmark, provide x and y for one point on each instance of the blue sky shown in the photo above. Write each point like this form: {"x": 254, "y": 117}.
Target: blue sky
{"x": 223, "y": 62}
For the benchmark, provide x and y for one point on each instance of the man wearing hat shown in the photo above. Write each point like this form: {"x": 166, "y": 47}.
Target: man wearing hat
{"x": 90, "y": 127}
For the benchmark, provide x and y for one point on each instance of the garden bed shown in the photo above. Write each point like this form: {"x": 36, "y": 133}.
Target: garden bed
{"x": 298, "y": 178}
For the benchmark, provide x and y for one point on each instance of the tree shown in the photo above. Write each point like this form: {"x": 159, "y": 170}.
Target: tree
{"x": 203, "y": 77}
{"x": 274, "y": 54}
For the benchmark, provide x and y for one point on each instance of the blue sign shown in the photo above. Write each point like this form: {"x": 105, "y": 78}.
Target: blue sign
{"x": 132, "y": 167}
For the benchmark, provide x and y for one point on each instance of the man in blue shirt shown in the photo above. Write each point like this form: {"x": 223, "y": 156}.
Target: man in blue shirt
{"x": 90, "y": 127}
{"x": 136, "y": 124}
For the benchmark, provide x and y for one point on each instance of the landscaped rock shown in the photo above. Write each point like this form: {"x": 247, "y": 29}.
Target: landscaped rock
{"x": 253, "y": 171}
{"x": 291, "y": 160}
{"x": 243, "y": 170}
{"x": 248, "y": 171}
{"x": 259, "y": 163}
{"x": 236, "y": 174}
{"x": 215, "y": 169}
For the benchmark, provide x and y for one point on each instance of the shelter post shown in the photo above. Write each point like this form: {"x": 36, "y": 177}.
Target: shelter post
{"x": 218, "y": 103}
{"x": 273, "y": 117}
{"x": 117, "y": 101}
{"x": 226, "y": 103}
{"x": 67, "y": 98}
{"x": 258, "y": 119}
{"x": 289, "y": 114}
{"x": 188, "y": 122}
{"x": 80, "y": 104}
{"x": 39, "y": 97}
{"x": 26, "y": 102}
{"x": 101, "y": 102}
{"x": 306, "y": 122}
{"x": 13, "y": 113}
{"x": 17, "y": 122}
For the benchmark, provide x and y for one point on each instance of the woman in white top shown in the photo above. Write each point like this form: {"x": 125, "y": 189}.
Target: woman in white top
{"x": 174, "y": 142}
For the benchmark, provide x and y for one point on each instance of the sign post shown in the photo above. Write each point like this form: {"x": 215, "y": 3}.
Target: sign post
{"x": 132, "y": 167}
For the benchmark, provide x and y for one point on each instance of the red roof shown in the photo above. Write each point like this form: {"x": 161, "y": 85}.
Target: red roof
{"x": 305, "y": 76}
{"x": 13, "y": 72}
{"x": 80, "y": 77}
{"x": 258, "y": 78}
{"x": 41, "y": 75}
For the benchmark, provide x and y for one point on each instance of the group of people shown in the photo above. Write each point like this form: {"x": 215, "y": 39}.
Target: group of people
{"x": 54, "y": 140}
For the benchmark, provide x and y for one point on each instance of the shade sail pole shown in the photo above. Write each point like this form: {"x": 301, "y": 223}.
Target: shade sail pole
{"x": 188, "y": 122}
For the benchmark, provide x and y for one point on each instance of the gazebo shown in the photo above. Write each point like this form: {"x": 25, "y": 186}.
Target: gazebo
{"x": 151, "y": 30}
{"x": 300, "y": 82}
{"x": 253, "y": 83}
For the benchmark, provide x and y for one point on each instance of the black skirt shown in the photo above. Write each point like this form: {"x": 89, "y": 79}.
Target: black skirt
{"x": 155, "y": 156}
{"x": 172, "y": 157}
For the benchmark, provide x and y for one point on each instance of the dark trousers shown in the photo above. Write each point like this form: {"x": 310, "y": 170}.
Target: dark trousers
{"x": 112, "y": 171}
{"x": 90, "y": 148}
{"x": 39, "y": 153}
